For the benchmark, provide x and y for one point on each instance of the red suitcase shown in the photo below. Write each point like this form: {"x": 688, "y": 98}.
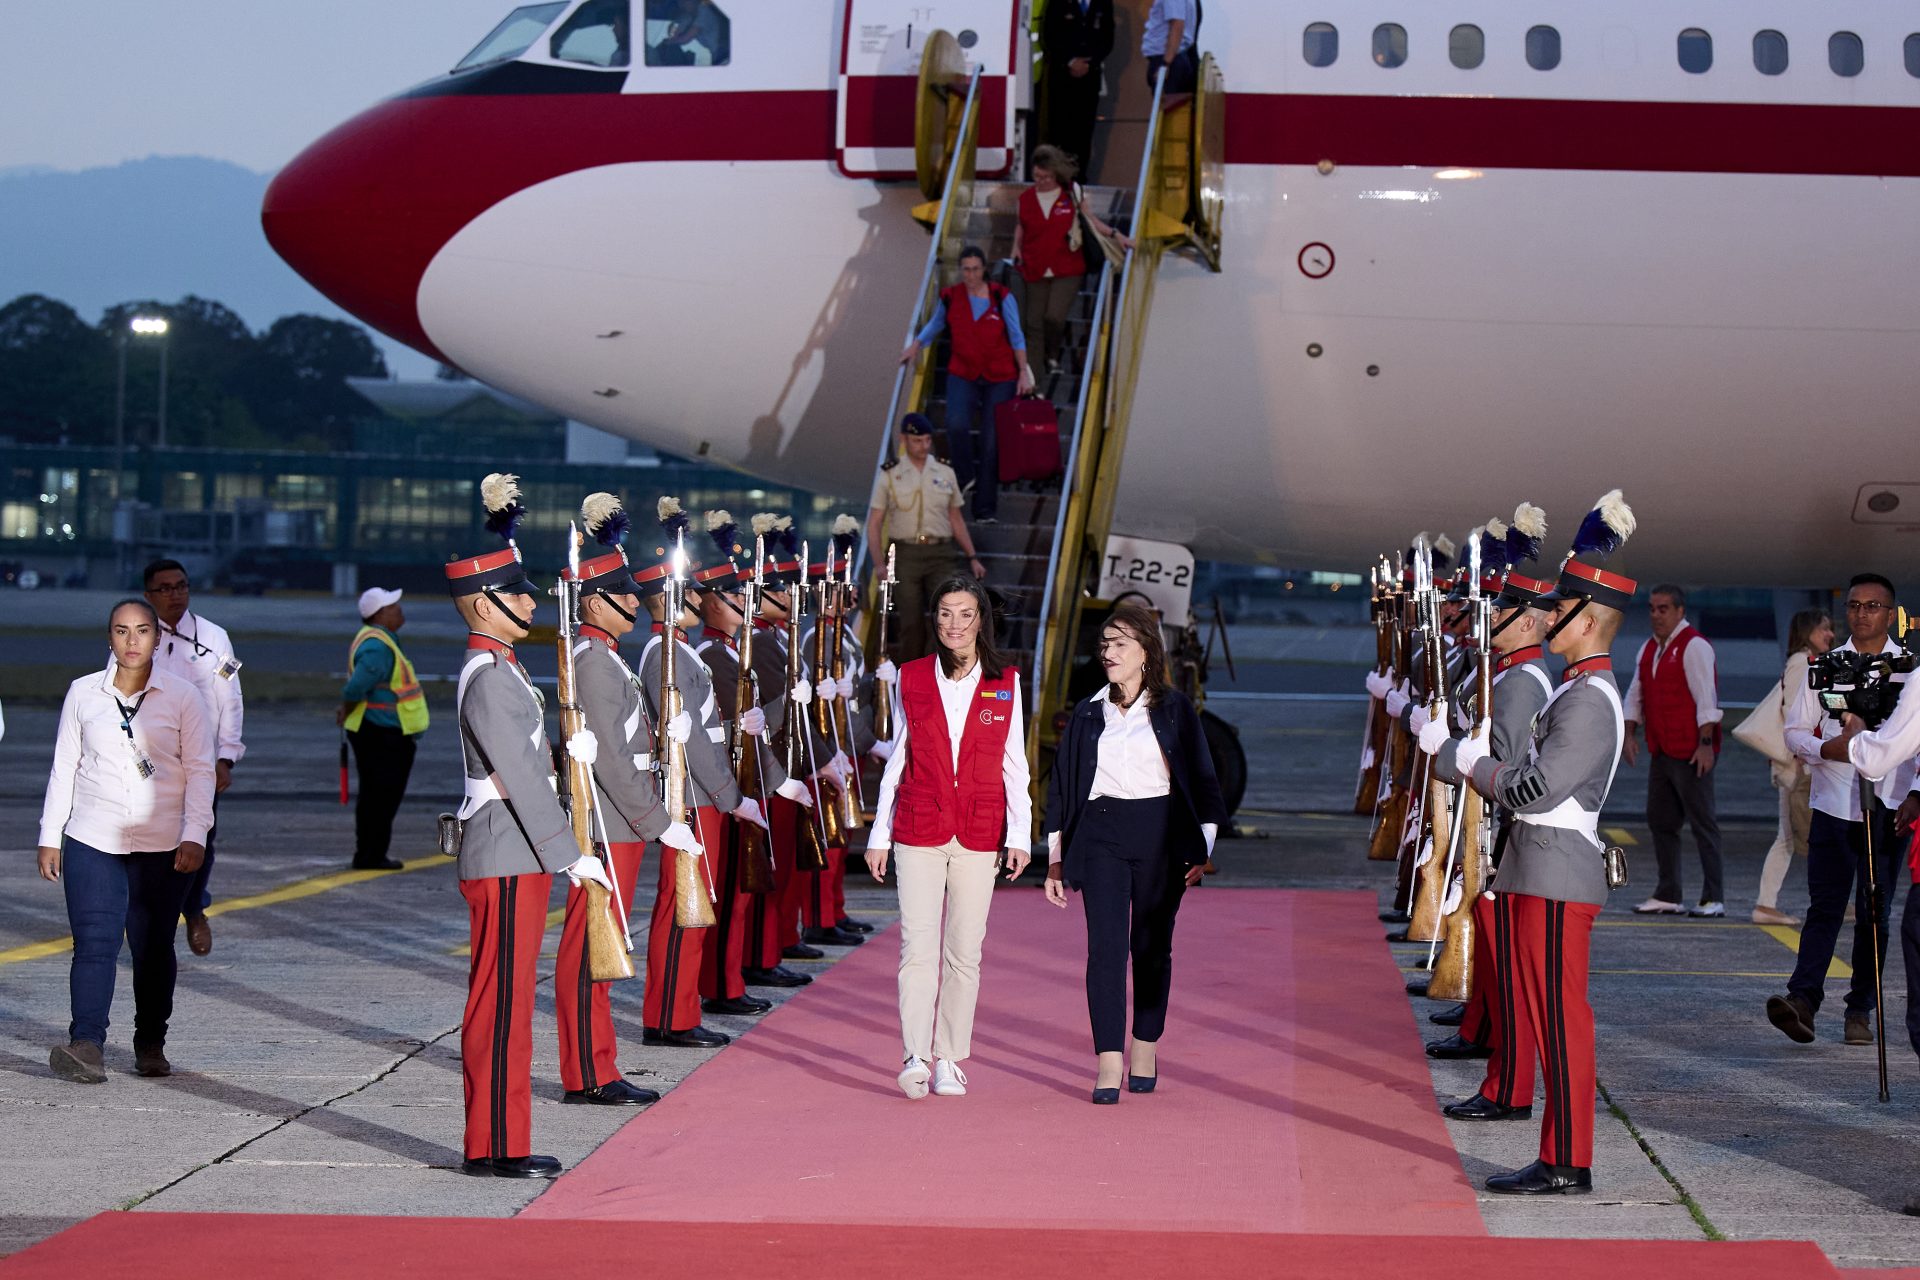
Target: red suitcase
{"x": 1027, "y": 438}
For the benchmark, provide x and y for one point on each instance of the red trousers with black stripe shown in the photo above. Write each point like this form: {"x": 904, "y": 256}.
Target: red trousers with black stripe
{"x": 672, "y": 1001}
{"x": 589, "y": 1052}
{"x": 1504, "y": 1024}
{"x": 818, "y": 909}
{"x": 726, "y": 944}
{"x": 508, "y": 915}
{"x": 766, "y": 934}
{"x": 1551, "y": 940}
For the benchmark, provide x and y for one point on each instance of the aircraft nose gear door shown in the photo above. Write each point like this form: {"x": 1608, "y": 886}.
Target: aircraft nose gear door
{"x": 882, "y": 53}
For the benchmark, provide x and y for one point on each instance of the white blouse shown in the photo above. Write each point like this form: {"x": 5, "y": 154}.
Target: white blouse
{"x": 1130, "y": 764}
{"x": 956, "y": 699}
{"x": 98, "y": 791}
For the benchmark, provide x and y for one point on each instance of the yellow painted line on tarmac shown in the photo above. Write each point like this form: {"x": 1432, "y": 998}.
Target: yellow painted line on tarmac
{"x": 1789, "y": 937}
{"x": 272, "y": 897}
{"x": 553, "y": 918}
{"x": 1620, "y": 835}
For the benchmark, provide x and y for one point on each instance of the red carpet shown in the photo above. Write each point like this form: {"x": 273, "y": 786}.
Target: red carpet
{"x": 1293, "y": 1097}
{"x": 163, "y": 1246}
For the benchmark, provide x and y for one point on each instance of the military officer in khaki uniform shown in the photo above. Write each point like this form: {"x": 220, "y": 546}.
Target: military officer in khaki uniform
{"x": 916, "y": 504}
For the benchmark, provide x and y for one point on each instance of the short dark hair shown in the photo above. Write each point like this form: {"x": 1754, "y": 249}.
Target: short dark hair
{"x": 973, "y": 251}
{"x": 1872, "y": 580}
{"x": 1139, "y": 622}
{"x": 158, "y": 567}
{"x": 1671, "y": 592}
{"x": 135, "y": 602}
{"x": 991, "y": 663}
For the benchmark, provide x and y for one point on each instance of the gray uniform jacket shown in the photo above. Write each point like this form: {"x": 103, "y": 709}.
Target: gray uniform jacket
{"x": 709, "y": 772}
{"x": 623, "y": 769}
{"x": 521, "y": 830}
{"x": 860, "y": 713}
{"x": 1565, "y": 772}
{"x": 1519, "y": 695}
{"x": 723, "y": 667}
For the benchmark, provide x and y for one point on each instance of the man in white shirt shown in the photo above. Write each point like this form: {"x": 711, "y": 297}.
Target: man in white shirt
{"x": 1675, "y": 694}
{"x": 200, "y": 653}
{"x": 1837, "y": 836}
{"x": 1169, "y": 33}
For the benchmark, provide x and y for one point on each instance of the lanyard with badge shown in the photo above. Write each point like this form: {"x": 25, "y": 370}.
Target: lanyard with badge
{"x": 142, "y": 763}
{"x": 229, "y": 666}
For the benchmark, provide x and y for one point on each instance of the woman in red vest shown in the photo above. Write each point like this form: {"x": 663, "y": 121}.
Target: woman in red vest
{"x": 954, "y": 794}
{"x": 1047, "y": 249}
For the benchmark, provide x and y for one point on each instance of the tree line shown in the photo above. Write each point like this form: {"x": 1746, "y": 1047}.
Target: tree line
{"x": 283, "y": 388}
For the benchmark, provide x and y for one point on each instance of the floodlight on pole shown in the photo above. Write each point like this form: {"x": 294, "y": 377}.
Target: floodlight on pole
{"x": 156, "y": 327}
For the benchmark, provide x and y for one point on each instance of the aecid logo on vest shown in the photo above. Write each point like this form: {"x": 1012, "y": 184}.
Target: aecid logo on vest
{"x": 987, "y": 715}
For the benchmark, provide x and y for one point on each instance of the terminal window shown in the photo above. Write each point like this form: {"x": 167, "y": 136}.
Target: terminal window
{"x": 688, "y": 33}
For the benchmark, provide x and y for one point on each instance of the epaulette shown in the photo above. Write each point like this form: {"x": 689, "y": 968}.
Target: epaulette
{"x": 890, "y": 463}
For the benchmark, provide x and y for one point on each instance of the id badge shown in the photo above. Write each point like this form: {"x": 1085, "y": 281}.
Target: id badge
{"x": 228, "y": 669}
{"x": 142, "y": 763}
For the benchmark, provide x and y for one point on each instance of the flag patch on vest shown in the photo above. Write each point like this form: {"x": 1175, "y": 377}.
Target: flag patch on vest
{"x": 997, "y": 695}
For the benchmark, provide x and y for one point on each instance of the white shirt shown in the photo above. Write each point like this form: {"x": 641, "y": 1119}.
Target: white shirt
{"x": 957, "y": 699}
{"x": 95, "y": 793}
{"x": 1889, "y": 751}
{"x": 1836, "y": 787}
{"x": 194, "y": 651}
{"x": 1696, "y": 663}
{"x": 1129, "y": 764}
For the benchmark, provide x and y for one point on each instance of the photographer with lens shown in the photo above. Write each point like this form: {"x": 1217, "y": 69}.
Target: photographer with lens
{"x": 1847, "y": 680}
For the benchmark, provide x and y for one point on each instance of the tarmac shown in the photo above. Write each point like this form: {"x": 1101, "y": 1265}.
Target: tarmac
{"x": 316, "y": 1049}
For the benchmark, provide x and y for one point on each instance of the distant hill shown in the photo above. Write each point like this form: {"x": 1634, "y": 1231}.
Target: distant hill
{"x": 156, "y": 228}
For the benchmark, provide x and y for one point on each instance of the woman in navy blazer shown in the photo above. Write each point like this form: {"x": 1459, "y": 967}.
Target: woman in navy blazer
{"x": 1132, "y": 811}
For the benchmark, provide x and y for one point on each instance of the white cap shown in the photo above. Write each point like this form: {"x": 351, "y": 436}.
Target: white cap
{"x": 374, "y": 599}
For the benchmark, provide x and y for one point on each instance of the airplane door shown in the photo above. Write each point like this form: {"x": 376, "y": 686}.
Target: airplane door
{"x": 879, "y": 76}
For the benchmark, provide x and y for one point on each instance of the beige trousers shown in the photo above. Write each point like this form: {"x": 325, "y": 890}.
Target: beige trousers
{"x": 940, "y": 968}
{"x": 1791, "y": 839}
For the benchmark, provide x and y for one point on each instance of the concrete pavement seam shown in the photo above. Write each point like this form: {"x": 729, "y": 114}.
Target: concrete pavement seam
{"x": 1698, "y": 1214}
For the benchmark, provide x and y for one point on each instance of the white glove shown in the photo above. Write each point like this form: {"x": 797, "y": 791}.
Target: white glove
{"x": 843, "y": 687}
{"x": 753, "y": 722}
{"x": 680, "y": 728}
{"x": 589, "y": 868}
{"x": 840, "y": 764}
{"x": 795, "y": 790}
{"x": 882, "y": 750}
{"x": 749, "y": 811}
{"x": 1433, "y": 736}
{"x": 886, "y": 670}
{"x": 584, "y": 747}
{"x": 801, "y": 694}
{"x": 1470, "y": 753}
{"x": 1397, "y": 701}
{"x": 1417, "y": 718}
{"x": 680, "y": 836}
{"x": 1378, "y": 683}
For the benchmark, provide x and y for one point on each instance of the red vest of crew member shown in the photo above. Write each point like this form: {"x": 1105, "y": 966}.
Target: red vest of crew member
{"x": 935, "y": 802}
{"x": 1673, "y": 721}
{"x": 1044, "y": 235}
{"x": 981, "y": 348}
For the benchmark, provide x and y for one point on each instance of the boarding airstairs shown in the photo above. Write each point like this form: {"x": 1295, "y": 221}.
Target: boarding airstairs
{"x": 1043, "y": 557}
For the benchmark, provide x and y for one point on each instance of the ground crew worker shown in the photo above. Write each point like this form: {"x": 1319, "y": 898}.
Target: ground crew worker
{"x": 514, "y": 837}
{"x": 383, "y": 710}
{"x": 916, "y": 504}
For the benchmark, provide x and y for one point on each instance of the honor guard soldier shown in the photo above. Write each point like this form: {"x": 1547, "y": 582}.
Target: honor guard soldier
{"x": 1553, "y": 871}
{"x": 627, "y": 812}
{"x": 672, "y": 1005}
{"x": 513, "y": 837}
{"x": 774, "y": 917}
{"x": 1493, "y": 1024}
{"x": 916, "y": 504}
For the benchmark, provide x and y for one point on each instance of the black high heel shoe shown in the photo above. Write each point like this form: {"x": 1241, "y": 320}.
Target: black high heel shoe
{"x": 1106, "y": 1097}
{"x": 1141, "y": 1084}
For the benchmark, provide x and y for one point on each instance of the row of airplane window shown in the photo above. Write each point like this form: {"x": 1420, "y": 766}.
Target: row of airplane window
{"x": 1467, "y": 49}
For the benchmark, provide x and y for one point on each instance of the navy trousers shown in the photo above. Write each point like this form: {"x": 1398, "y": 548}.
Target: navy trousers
{"x": 137, "y": 896}
{"x": 1131, "y": 889}
{"x": 1836, "y": 856}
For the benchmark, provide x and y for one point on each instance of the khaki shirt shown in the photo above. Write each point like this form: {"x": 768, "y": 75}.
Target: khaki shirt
{"x": 916, "y": 499}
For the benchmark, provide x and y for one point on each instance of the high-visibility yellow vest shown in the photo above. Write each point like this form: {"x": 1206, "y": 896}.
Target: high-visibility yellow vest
{"x": 409, "y": 702}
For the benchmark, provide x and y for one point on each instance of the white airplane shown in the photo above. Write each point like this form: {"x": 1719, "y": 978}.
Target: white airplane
{"x": 1472, "y": 255}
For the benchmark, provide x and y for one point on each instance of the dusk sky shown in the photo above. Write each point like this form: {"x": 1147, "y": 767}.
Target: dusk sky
{"x": 250, "y": 81}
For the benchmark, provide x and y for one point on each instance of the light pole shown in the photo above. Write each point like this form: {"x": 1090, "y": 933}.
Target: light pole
{"x": 154, "y": 327}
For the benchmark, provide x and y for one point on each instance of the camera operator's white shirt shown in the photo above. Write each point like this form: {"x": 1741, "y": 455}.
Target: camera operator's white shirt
{"x": 1883, "y": 752}
{"x": 1836, "y": 787}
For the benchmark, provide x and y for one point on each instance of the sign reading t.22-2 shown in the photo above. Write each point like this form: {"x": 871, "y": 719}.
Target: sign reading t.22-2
{"x": 1160, "y": 571}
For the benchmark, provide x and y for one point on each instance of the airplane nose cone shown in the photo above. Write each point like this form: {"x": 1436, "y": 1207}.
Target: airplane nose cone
{"x": 357, "y": 214}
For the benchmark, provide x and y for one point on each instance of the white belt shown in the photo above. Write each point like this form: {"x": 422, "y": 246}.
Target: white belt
{"x": 718, "y": 735}
{"x": 481, "y": 790}
{"x": 642, "y": 761}
{"x": 1566, "y": 816}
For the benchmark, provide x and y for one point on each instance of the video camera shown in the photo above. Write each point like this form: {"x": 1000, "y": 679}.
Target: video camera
{"x": 1861, "y": 683}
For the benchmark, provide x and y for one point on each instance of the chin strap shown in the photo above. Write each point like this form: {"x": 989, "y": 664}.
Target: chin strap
{"x": 525, "y": 624}
{"x": 1561, "y": 625}
{"x": 607, "y": 600}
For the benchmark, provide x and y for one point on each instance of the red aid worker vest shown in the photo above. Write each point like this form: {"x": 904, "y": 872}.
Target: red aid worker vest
{"x": 1043, "y": 238}
{"x": 935, "y": 803}
{"x": 981, "y": 348}
{"x": 1673, "y": 727}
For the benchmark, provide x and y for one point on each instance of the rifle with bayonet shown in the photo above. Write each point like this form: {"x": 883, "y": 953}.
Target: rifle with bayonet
{"x": 756, "y": 849}
{"x": 692, "y": 895}
{"x": 882, "y": 690}
{"x": 1453, "y": 968}
{"x": 855, "y": 800}
{"x": 796, "y": 744}
{"x": 1437, "y": 817}
{"x": 1366, "y": 790}
{"x": 1391, "y": 806}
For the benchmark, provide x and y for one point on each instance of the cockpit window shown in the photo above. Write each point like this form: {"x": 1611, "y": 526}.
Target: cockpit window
{"x": 598, "y": 35}
{"x": 687, "y": 33}
{"x": 513, "y": 37}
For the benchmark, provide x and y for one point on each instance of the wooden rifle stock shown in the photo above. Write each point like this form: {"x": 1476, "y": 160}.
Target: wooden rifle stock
{"x": 692, "y": 895}
{"x": 1437, "y": 818}
{"x": 852, "y": 803}
{"x": 810, "y": 843}
{"x": 882, "y": 690}
{"x": 607, "y": 956}
{"x": 1373, "y": 743}
{"x": 1453, "y": 970}
{"x": 755, "y": 849}
{"x": 1391, "y": 801}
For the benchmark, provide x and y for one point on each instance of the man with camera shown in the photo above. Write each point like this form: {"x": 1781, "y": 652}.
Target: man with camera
{"x": 1842, "y": 684}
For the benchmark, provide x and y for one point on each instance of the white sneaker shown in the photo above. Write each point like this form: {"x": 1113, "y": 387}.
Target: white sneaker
{"x": 1660, "y": 907}
{"x": 1709, "y": 909}
{"x": 949, "y": 1081}
{"x": 913, "y": 1078}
